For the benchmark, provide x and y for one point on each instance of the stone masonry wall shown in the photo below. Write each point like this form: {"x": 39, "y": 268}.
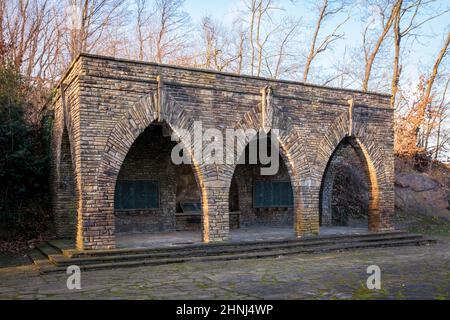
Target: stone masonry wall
{"x": 245, "y": 176}
{"x": 149, "y": 159}
{"x": 66, "y": 156}
{"x": 112, "y": 101}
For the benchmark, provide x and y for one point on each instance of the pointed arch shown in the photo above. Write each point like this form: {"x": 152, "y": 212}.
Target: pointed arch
{"x": 372, "y": 180}
{"x": 65, "y": 176}
{"x": 365, "y": 144}
{"x": 339, "y": 130}
{"x": 122, "y": 137}
{"x": 294, "y": 155}
{"x": 66, "y": 193}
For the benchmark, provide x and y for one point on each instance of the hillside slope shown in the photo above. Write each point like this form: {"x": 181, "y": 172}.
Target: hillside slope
{"x": 422, "y": 197}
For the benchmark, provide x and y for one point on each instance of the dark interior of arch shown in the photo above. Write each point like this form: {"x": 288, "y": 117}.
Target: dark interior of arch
{"x": 153, "y": 194}
{"x": 345, "y": 189}
{"x": 260, "y": 200}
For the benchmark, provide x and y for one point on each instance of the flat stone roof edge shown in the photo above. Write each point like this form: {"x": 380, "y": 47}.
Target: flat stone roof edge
{"x": 110, "y": 58}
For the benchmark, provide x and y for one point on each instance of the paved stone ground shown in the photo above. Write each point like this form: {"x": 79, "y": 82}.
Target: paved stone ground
{"x": 407, "y": 273}
{"x": 9, "y": 260}
{"x": 168, "y": 239}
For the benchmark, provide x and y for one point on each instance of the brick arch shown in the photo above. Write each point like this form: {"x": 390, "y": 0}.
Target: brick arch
{"x": 339, "y": 130}
{"x": 292, "y": 152}
{"x": 127, "y": 130}
{"x": 365, "y": 144}
{"x": 290, "y": 140}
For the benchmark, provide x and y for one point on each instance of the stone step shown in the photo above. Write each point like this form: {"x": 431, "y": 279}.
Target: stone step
{"x": 250, "y": 255}
{"x": 60, "y": 244}
{"x": 206, "y": 250}
{"x": 60, "y": 260}
{"x": 47, "y": 250}
{"x": 38, "y": 258}
{"x": 72, "y": 253}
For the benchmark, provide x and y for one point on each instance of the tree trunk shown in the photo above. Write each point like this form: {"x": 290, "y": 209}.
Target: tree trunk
{"x": 312, "y": 49}
{"x": 373, "y": 54}
{"x": 397, "y": 41}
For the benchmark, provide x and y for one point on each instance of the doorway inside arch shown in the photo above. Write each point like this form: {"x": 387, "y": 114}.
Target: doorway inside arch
{"x": 261, "y": 206}
{"x": 345, "y": 190}
{"x": 156, "y": 202}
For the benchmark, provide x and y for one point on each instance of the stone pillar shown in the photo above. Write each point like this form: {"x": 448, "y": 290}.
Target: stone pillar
{"x": 380, "y": 216}
{"x": 388, "y": 208}
{"x": 299, "y": 223}
{"x": 327, "y": 190}
{"x": 306, "y": 212}
{"x": 218, "y": 223}
{"x": 96, "y": 228}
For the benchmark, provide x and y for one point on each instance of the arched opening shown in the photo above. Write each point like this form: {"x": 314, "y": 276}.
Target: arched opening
{"x": 156, "y": 201}
{"x": 66, "y": 202}
{"x": 261, "y": 205}
{"x": 349, "y": 191}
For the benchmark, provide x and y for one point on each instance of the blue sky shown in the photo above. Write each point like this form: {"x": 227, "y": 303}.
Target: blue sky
{"x": 424, "y": 53}
{"x": 416, "y": 60}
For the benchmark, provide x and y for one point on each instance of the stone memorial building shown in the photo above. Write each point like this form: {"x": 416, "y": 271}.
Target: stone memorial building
{"x": 112, "y": 171}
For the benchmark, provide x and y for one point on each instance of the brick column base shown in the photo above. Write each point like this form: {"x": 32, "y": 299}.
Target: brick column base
{"x": 307, "y": 211}
{"x": 218, "y": 224}
{"x": 96, "y": 229}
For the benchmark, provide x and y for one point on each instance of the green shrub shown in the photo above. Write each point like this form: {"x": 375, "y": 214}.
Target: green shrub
{"x": 24, "y": 161}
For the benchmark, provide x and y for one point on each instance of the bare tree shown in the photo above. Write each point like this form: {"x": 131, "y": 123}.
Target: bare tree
{"x": 210, "y": 38}
{"x": 326, "y": 10}
{"x": 240, "y": 51}
{"x": 220, "y": 52}
{"x": 261, "y": 26}
{"x": 371, "y": 50}
{"x": 23, "y": 23}
{"x": 95, "y": 23}
{"x": 413, "y": 128}
{"x": 171, "y": 29}
{"x": 426, "y": 98}
{"x": 343, "y": 67}
{"x": 252, "y": 5}
{"x": 142, "y": 20}
{"x": 407, "y": 22}
{"x": 442, "y": 116}
{"x": 287, "y": 34}
{"x": 260, "y": 40}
